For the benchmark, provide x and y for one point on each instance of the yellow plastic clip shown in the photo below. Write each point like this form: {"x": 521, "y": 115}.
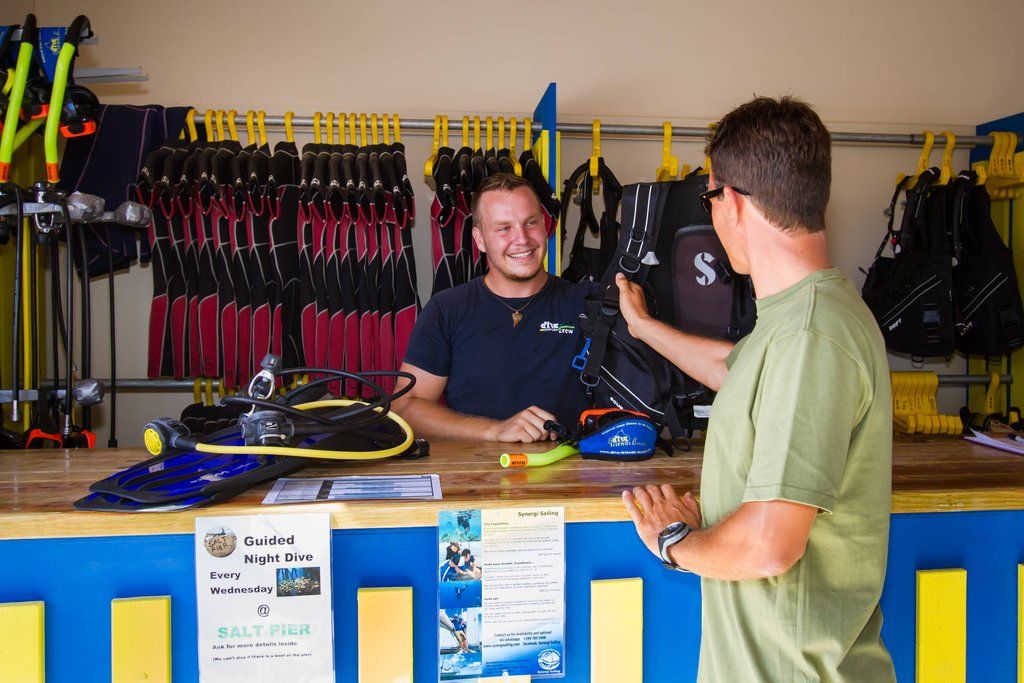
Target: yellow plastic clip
{"x": 905, "y": 181}
{"x": 374, "y": 131}
{"x": 232, "y": 128}
{"x": 343, "y": 128}
{"x": 387, "y": 129}
{"x": 362, "y": 130}
{"x": 261, "y": 126}
{"x": 250, "y": 126}
{"x": 197, "y": 390}
{"x": 190, "y": 124}
{"x": 398, "y": 129}
{"x": 501, "y": 132}
{"x": 527, "y": 135}
{"x": 330, "y": 128}
{"x": 465, "y": 131}
{"x": 444, "y": 130}
{"x": 352, "y": 129}
{"x": 476, "y": 132}
{"x": 208, "y": 382}
{"x": 208, "y": 124}
{"x": 219, "y": 121}
{"x": 513, "y": 132}
{"x": 595, "y": 154}
{"x": 990, "y": 395}
{"x": 946, "y": 169}
{"x": 706, "y": 168}
{"x": 289, "y": 131}
{"x": 669, "y": 164}
{"x": 428, "y": 168}
{"x": 1007, "y": 181}
{"x": 489, "y": 127}
{"x": 318, "y": 129}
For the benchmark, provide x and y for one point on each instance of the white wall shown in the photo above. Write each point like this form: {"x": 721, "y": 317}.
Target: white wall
{"x": 868, "y": 66}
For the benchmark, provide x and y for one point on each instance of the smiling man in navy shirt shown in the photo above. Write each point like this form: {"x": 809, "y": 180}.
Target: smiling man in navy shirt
{"x": 498, "y": 348}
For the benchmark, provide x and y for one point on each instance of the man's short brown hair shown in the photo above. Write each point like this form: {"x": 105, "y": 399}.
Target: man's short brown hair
{"x": 781, "y": 153}
{"x": 499, "y": 182}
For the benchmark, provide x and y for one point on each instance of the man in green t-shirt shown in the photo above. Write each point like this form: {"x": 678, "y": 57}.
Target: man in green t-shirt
{"x": 791, "y": 533}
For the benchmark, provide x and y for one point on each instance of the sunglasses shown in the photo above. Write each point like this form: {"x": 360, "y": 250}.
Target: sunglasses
{"x": 706, "y": 197}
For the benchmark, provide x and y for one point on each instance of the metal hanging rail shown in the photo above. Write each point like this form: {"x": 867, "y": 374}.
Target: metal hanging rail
{"x": 586, "y": 129}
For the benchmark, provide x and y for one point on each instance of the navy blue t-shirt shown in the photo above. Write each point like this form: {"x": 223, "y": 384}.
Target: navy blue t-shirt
{"x": 494, "y": 369}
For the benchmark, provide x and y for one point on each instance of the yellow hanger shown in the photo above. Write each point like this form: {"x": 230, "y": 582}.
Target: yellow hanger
{"x": 190, "y": 124}
{"x": 219, "y": 121}
{"x": 373, "y": 129}
{"x": 501, "y": 132}
{"x": 208, "y": 124}
{"x": 706, "y": 168}
{"x": 527, "y": 135}
{"x": 289, "y": 131}
{"x": 669, "y": 164}
{"x": 318, "y": 133}
{"x": 352, "y": 129}
{"x": 261, "y": 126}
{"x": 208, "y": 382}
{"x": 990, "y": 395}
{"x": 512, "y": 134}
{"x": 595, "y": 154}
{"x": 476, "y": 132}
{"x": 465, "y": 131}
{"x": 387, "y": 129}
{"x": 398, "y": 129}
{"x": 905, "y": 181}
{"x": 444, "y": 130}
{"x": 362, "y": 130}
{"x": 946, "y": 169}
{"x": 1008, "y": 181}
{"x": 342, "y": 128}
{"x": 197, "y": 390}
{"x": 232, "y": 128}
{"x": 250, "y": 127}
{"x": 330, "y": 128}
{"x": 428, "y": 167}
{"x": 489, "y": 127}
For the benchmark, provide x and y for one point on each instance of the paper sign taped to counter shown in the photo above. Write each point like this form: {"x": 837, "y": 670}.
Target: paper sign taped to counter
{"x": 263, "y": 589}
{"x": 501, "y": 593}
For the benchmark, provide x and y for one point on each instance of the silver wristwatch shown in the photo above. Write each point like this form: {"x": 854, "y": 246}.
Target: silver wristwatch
{"x": 668, "y": 537}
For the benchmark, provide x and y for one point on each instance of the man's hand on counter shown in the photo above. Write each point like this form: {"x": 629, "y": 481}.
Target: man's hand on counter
{"x": 525, "y": 426}
{"x": 652, "y": 508}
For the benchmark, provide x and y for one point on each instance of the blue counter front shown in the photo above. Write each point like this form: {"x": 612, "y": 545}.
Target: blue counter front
{"x": 77, "y": 576}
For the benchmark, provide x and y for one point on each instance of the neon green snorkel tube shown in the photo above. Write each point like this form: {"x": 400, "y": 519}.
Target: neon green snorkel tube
{"x": 65, "y": 60}
{"x": 539, "y": 459}
{"x": 7, "y": 138}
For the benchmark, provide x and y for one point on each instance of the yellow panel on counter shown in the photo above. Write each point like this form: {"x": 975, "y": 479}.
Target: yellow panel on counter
{"x": 617, "y": 631}
{"x": 21, "y": 642}
{"x": 385, "y": 635}
{"x": 942, "y": 626}
{"x": 140, "y": 639}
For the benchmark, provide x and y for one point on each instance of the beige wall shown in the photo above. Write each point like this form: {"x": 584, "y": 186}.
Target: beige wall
{"x": 871, "y": 66}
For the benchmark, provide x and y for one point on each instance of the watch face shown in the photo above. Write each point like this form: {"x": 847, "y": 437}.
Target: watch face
{"x": 671, "y": 529}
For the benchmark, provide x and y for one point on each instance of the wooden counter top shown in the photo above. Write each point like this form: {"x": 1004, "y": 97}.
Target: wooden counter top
{"x": 37, "y": 488}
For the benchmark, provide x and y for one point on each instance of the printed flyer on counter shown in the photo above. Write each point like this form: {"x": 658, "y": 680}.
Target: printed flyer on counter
{"x": 263, "y": 589}
{"x": 501, "y": 593}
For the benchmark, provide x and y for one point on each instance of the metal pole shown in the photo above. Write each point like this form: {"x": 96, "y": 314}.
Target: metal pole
{"x": 585, "y": 129}
{"x": 973, "y": 379}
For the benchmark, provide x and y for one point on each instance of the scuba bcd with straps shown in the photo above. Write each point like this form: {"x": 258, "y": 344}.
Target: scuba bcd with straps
{"x": 950, "y": 283}
{"x": 668, "y": 245}
{"x": 587, "y": 262}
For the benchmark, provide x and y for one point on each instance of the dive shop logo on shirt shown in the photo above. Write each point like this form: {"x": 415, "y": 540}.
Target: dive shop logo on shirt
{"x": 557, "y": 328}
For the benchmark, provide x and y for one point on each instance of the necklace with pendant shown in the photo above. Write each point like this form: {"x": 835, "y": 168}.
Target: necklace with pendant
{"x": 517, "y": 313}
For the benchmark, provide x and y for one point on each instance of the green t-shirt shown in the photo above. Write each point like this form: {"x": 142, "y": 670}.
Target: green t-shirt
{"x": 804, "y": 415}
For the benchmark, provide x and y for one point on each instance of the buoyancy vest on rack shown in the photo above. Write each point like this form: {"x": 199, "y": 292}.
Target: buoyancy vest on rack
{"x": 587, "y": 262}
{"x": 990, "y": 318}
{"x": 911, "y": 292}
{"x": 668, "y": 245}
